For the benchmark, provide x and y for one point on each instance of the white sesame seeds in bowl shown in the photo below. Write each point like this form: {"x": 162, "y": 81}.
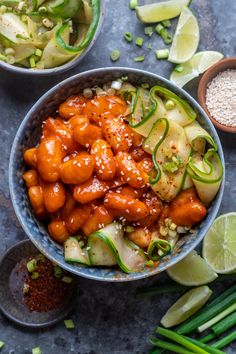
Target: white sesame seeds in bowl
{"x": 217, "y": 94}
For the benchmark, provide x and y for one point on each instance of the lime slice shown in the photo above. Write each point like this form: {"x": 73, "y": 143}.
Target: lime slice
{"x": 219, "y": 246}
{"x": 160, "y": 11}
{"x": 186, "y": 306}
{"x": 186, "y": 38}
{"x": 193, "y": 270}
{"x": 199, "y": 63}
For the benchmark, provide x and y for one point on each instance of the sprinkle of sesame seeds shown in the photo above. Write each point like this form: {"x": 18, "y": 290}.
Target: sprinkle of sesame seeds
{"x": 221, "y": 99}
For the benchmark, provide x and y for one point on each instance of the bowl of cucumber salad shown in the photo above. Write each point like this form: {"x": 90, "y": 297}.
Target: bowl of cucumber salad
{"x": 133, "y": 183}
{"x": 41, "y": 37}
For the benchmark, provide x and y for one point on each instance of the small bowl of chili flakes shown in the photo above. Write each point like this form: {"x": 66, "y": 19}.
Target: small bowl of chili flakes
{"x": 34, "y": 292}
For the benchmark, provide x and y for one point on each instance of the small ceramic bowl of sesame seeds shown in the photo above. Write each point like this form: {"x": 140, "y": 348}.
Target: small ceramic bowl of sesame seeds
{"x": 217, "y": 94}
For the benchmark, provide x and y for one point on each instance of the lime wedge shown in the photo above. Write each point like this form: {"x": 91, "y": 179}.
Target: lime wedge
{"x": 186, "y": 38}
{"x": 193, "y": 270}
{"x": 186, "y": 306}
{"x": 199, "y": 63}
{"x": 219, "y": 246}
{"x": 160, "y": 11}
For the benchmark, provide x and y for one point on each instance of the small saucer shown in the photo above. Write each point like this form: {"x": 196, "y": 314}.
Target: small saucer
{"x": 12, "y": 306}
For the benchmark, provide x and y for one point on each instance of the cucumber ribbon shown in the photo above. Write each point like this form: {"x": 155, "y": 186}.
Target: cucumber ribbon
{"x": 89, "y": 36}
{"x": 107, "y": 247}
{"x": 147, "y": 107}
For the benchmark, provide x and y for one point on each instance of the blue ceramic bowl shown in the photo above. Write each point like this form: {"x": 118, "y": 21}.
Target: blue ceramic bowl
{"x": 28, "y": 135}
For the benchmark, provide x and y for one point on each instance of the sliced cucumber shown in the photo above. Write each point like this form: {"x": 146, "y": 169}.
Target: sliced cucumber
{"x": 13, "y": 29}
{"x": 172, "y": 145}
{"x": 206, "y": 172}
{"x": 53, "y": 54}
{"x": 64, "y": 8}
{"x": 197, "y": 137}
{"x": 146, "y": 110}
{"x": 182, "y": 113}
{"x": 74, "y": 253}
{"x": 128, "y": 256}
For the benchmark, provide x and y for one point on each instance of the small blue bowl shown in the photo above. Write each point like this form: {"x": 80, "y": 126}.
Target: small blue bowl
{"x": 27, "y": 136}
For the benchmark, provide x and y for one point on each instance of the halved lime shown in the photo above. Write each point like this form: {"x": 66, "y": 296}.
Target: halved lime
{"x": 186, "y": 306}
{"x": 186, "y": 38}
{"x": 219, "y": 246}
{"x": 199, "y": 63}
{"x": 160, "y": 11}
{"x": 193, "y": 270}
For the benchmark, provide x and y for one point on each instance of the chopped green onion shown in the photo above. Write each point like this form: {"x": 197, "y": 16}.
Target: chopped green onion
{"x": 224, "y": 324}
{"x": 1, "y": 344}
{"x": 69, "y": 324}
{"x": 159, "y": 28}
{"x": 148, "y": 31}
{"x": 31, "y": 265}
{"x": 149, "y": 46}
{"x": 166, "y": 36}
{"x": 58, "y": 272}
{"x": 38, "y": 52}
{"x": 169, "y": 105}
{"x": 225, "y": 341}
{"x": 35, "y": 275}
{"x": 166, "y": 23}
{"x": 139, "y": 41}
{"x": 173, "y": 348}
{"x": 67, "y": 279}
{"x": 217, "y": 318}
{"x": 149, "y": 263}
{"x": 128, "y": 37}
{"x": 26, "y": 288}
{"x": 145, "y": 86}
{"x": 20, "y": 36}
{"x": 162, "y": 54}
{"x": 133, "y": 4}
{"x": 179, "y": 68}
{"x": 36, "y": 350}
{"x": 129, "y": 229}
{"x": 208, "y": 348}
{"x": 139, "y": 59}
{"x": 115, "y": 55}
{"x": 40, "y": 257}
{"x": 175, "y": 337}
{"x": 32, "y": 62}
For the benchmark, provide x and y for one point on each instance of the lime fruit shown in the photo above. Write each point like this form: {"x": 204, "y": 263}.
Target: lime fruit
{"x": 160, "y": 11}
{"x": 193, "y": 270}
{"x": 186, "y": 306}
{"x": 186, "y": 38}
{"x": 199, "y": 63}
{"x": 219, "y": 245}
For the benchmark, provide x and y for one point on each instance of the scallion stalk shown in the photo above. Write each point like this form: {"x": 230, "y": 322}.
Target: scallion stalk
{"x": 159, "y": 290}
{"x": 174, "y": 348}
{"x": 225, "y": 341}
{"x": 180, "y": 340}
{"x": 208, "y": 348}
{"x": 217, "y": 318}
{"x": 224, "y": 324}
{"x": 208, "y": 338}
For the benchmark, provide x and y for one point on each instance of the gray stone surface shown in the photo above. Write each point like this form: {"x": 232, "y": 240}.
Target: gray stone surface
{"x": 109, "y": 319}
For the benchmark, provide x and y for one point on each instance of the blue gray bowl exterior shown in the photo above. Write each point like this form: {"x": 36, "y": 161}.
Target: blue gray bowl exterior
{"x": 28, "y": 136}
{"x": 62, "y": 68}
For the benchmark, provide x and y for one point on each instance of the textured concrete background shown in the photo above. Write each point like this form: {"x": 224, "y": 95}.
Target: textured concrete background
{"x": 109, "y": 320}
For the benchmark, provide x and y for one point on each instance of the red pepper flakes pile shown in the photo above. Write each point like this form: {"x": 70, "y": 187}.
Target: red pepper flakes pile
{"x": 47, "y": 292}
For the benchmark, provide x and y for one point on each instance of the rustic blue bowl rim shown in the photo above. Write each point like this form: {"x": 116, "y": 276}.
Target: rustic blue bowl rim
{"x": 99, "y": 273}
{"x": 64, "y": 67}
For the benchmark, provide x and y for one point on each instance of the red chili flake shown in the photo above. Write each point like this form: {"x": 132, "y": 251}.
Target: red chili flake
{"x": 46, "y": 292}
